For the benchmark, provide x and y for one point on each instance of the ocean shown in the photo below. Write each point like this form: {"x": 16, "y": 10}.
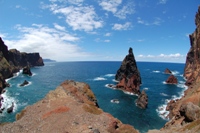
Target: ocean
{"x": 98, "y": 75}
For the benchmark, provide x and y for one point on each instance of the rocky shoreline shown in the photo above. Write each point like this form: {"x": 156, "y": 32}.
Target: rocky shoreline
{"x": 185, "y": 112}
{"x": 11, "y": 62}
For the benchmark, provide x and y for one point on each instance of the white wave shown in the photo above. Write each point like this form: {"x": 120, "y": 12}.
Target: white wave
{"x": 175, "y": 72}
{"x": 146, "y": 88}
{"x": 164, "y": 82}
{"x": 114, "y": 101}
{"x": 111, "y": 86}
{"x": 163, "y": 94}
{"x": 99, "y": 78}
{"x": 14, "y": 75}
{"x": 162, "y": 112}
{"x": 156, "y": 71}
{"x": 130, "y": 93}
{"x": 114, "y": 80}
{"x": 109, "y": 75}
{"x": 7, "y": 102}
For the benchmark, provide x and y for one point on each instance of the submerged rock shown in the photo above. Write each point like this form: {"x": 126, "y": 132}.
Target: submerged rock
{"x": 128, "y": 74}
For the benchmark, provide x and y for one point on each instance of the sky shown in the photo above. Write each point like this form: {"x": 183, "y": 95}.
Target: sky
{"x": 99, "y": 30}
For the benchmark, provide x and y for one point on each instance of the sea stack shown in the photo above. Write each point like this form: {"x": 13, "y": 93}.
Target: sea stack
{"x": 128, "y": 74}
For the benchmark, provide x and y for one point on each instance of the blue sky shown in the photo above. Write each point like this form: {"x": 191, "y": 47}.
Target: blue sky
{"x": 99, "y": 30}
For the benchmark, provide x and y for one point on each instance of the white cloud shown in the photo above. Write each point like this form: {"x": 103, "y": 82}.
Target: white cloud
{"x": 114, "y": 6}
{"x": 79, "y": 18}
{"x": 125, "y": 26}
{"x": 106, "y": 40}
{"x": 127, "y": 9}
{"x": 49, "y": 42}
{"x": 156, "y": 21}
{"x": 107, "y": 34}
{"x": 58, "y": 27}
{"x": 177, "y": 57}
{"x": 162, "y": 1}
{"x": 110, "y": 5}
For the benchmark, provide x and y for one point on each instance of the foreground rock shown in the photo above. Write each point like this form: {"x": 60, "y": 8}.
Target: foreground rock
{"x": 142, "y": 100}
{"x": 128, "y": 74}
{"x": 70, "y": 108}
{"x": 172, "y": 80}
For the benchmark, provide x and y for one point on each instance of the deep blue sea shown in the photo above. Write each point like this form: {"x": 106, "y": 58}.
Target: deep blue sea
{"x": 98, "y": 75}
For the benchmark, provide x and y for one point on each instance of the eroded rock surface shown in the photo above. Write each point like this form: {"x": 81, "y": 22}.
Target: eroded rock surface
{"x": 70, "y": 108}
{"x": 172, "y": 80}
{"x": 128, "y": 74}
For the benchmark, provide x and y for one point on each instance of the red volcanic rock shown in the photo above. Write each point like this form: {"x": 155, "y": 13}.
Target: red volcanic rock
{"x": 128, "y": 74}
{"x": 167, "y": 71}
{"x": 172, "y": 80}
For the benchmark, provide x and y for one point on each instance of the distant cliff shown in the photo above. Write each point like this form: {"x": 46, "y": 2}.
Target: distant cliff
{"x": 185, "y": 112}
{"x": 128, "y": 74}
{"x": 11, "y": 61}
{"x": 70, "y": 108}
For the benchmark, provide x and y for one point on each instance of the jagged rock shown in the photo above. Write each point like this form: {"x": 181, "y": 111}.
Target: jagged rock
{"x": 24, "y": 83}
{"x": 128, "y": 74}
{"x": 190, "y": 111}
{"x": 192, "y": 66}
{"x": 10, "y": 109}
{"x": 172, "y": 80}
{"x": 167, "y": 71}
{"x": 142, "y": 100}
{"x": 27, "y": 70}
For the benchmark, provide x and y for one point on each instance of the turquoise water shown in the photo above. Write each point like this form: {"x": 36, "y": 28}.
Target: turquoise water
{"x": 98, "y": 75}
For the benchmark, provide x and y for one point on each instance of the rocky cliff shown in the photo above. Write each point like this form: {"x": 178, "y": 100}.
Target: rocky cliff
{"x": 185, "y": 112}
{"x": 11, "y": 61}
{"x": 128, "y": 74}
{"x": 70, "y": 108}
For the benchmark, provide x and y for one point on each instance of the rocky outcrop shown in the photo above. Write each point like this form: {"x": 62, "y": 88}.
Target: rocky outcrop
{"x": 142, "y": 100}
{"x": 24, "y": 83}
{"x": 27, "y": 71}
{"x": 172, "y": 80}
{"x": 128, "y": 74}
{"x": 167, "y": 71}
{"x": 70, "y": 108}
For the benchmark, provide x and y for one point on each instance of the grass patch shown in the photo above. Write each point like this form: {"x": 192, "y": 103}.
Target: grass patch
{"x": 192, "y": 125}
{"x": 92, "y": 109}
{"x": 20, "y": 115}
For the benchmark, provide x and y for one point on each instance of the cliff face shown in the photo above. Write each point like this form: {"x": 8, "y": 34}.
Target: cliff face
{"x": 128, "y": 74}
{"x": 192, "y": 67}
{"x": 11, "y": 61}
{"x": 185, "y": 112}
{"x": 70, "y": 108}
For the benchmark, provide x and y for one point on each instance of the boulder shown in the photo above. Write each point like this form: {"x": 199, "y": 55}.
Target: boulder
{"x": 128, "y": 74}
{"x": 142, "y": 100}
{"x": 190, "y": 111}
{"x": 26, "y": 70}
{"x": 172, "y": 80}
{"x": 167, "y": 71}
{"x": 24, "y": 83}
